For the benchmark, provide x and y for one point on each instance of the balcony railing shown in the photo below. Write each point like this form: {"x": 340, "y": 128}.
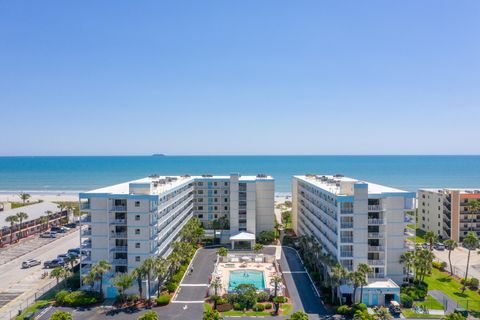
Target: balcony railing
{"x": 346, "y": 254}
{"x": 120, "y": 262}
{"x": 86, "y": 233}
{"x": 85, "y": 206}
{"x": 346, "y": 224}
{"x": 346, "y": 210}
{"x": 376, "y": 221}
{"x": 375, "y": 207}
{"x": 87, "y": 245}
{"x": 376, "y": 248}
{"x": 375, "y": 235}
{"x": 119, "y": 249}
{"x": 118, "y": 221}
{"x": 118, "y": 208}
{"x": 118, "y": 235}
{"x": 86, "y": 219}
{"x": 346, "y": 239}
{"x": 376, "y": 262}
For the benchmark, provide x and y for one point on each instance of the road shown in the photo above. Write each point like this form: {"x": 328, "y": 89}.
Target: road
{"x": 19, "y": 285}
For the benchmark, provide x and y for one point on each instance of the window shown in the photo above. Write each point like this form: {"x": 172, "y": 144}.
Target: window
{"x": 225, "y": 200}
{"x": 200, "y": 208}
{"x": 215, "y": 200}
{"x": 137, "y": 217}
{"x": 215, "y": 184}
{"x": 225, "y": 191}
{"x": 215, "y": 191}
{"x": 137, "y": 245}
{"x": 225, "y": 184}
{"x": 137, "y": 204}
{"x": 200, "y": 191}
{"x": 200, "y": 216}
{"x": 200, "y": 200}
{"x": 216, "y": 216}
{"x": 137, "y": 231}
{"x": 137, "y": 258}
{"x": 215, "y": 208}
{"x": 225, "y": 208}
{"x": 200, "y": 184}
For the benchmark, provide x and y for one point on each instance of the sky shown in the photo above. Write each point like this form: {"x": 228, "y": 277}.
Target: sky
{"x": 239, "y": 77}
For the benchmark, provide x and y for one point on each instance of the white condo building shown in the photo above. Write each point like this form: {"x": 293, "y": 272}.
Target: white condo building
{"x": 356, "y": 222}
{"x": 128, "y": 222}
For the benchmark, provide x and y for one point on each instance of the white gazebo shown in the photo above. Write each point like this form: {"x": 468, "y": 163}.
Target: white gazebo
{"x": 243, "y": 237}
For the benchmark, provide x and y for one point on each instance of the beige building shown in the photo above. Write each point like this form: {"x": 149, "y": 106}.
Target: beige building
{"x": 126, "y": 223}
{"x": 446, "y": 212}
{"x": 354, "y": 221}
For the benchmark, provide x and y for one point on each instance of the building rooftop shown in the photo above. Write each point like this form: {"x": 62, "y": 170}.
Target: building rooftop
{"x": 34, "y": 211}
{"x": 461, "y": 190}
{"x": 337, "y": 184}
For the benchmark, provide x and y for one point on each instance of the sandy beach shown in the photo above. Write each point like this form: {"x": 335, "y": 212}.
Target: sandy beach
{"x": 51, "y": 196}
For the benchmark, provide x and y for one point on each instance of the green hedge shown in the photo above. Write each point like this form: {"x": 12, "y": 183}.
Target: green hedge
{"x": 77, "y": 298}
{"x": 171, "y": 286}
{"x": 406, "y": 300}
{"x": 416, "y": 291}
{"x": 163, "y": 300}
{"x": 224, "y": 307}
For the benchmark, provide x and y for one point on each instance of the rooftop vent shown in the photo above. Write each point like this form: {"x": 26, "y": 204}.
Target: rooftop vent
{"x": 207, "y": 175}
{"x": 153, "y": 176}
{"x": 338, "y": 175}
{"x": 261, "y": 175}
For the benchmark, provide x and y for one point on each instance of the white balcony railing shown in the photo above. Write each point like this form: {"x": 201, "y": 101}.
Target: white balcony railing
{"x": 375, "y": 207}
{"x": 376, "y": 262}
{"x": 118, "y": 208}
{"x": 376, "y": 221}
{"x": 375, "y": 235}
{"x": 376, "y": 248}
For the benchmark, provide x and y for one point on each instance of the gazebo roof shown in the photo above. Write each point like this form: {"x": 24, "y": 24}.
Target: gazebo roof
{"x": 243, "y": 236}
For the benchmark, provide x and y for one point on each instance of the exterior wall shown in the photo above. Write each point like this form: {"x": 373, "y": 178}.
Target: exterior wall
{"x": 265, "y": 205}
{"x": 395, "y": 237}
{"x": 430, "y": 211}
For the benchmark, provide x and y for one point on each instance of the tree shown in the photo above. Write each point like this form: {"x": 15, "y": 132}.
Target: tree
{"x": 160, "y": 271}
{"x": 100, "y": 269}
{"x": 43, "y": 221}
{"x": 470, "y": 242}
{"x": 275, "y": 281}
{"x": 48, "y": 213}
{"x": 365, "y": 269}
{"x": 149, "y": 315}
{"x": 357, "y": 279}
{"x": 451, "y": 245}
{"x": 299, "y": 315}
{"x": 139, "y": 273}
{"x": 210, "y": 314}
{"x": 24, "y": 197}
{"x": 216, "y": 284}
{"x": 266, "y": 236}
{"x": 430, "y": 238}
{"x": 174, "y": 262}
{"x": 257, "y": 247}
{"x": 12, "y": 220}
{"x": 222, "y": 252}
{"x": 423, "y": 263}
{"x": 454, "y": 316}
{"x": 149, "y": 267}
{"x": 215, "y": 225}
{"x": 61, "y": 315}
{"x": 407, "y": 260}
{"x": 60, "y": 273}
{"x": 246, "y": 295}
{"x": 21, "y": 216}
{"x": 122, "y": 282}
{"x": 383, "y": 314}
{"x": 337, "y": 274}
{"x": 61, "y": 206}
{"x": 473, "y": 208}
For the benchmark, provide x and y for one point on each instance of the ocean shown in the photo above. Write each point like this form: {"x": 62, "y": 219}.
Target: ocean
{"x": 84, "y": 173}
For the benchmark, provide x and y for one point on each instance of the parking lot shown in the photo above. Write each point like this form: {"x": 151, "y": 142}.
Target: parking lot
{"x": 459, "y": 261}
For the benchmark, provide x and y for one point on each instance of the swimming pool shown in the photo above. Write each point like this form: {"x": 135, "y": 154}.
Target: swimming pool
{"x": 254, "y": 277}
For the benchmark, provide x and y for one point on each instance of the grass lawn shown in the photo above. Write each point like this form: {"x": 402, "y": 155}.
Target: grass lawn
{"x": 286, "y": 309}
{"x": 430, "y": 303}
{"x": 409, "y": 313}
{"x": 439, "y": 280}
{"x": 34, "y": 308}
{"x": 420, "y": 236}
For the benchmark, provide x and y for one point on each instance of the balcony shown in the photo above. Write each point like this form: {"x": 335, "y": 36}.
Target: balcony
{"x": 120, "y": 262}
{"x": 85, "y": 206}
{"x": 375, "y": 207}
{"x": 346, "y": 239}
{"x": 86, "y": 246}
{"x": 376, "y": 222}
{"x": 86, "y": 233}
{"x": 347, "y": 225}
{"x": 376, "y": 262}
{"x": 409, "y": 232}
{"x": 118, "y": 235}
{"x": 118, "y": 208}
{"x": 376, "y": 248}
{"x": 346, "y": 210}
{"x": 86, "y": 219}
{"x": 122, "y": 249}
{"x": 346, "y": 254}
{"x": 119, "y": 221}
{"x": 375, "y": 235}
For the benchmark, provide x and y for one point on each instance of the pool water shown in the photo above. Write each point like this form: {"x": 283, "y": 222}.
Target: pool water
{"x": 246, "y": 277}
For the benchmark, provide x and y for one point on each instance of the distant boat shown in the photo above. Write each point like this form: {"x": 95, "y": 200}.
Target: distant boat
{"x": 158, "y": 155}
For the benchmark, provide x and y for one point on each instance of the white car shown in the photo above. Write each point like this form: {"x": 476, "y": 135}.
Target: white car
{"x": 48, "y": 234}
{"x": 30, "y": 263}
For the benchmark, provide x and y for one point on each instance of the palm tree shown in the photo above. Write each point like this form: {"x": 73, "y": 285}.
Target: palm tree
{"x": 21, "y": 216}
{"x": 257, "y": 247}
{"x": 61, "y": 206}
{"x": 43, "y": 221}
{"x": 48, "y": 213}
{"x": 12, "y": 220}
{"x": 149, "y": 267}
{"x": 276, "y": 281}
{"x": 423, "y": 263}
{"x": 430, "y": 238}
{"x": 470, "y": 242}
{"x": 161, "y": 269}
{"x": 72, "y": 260}
{"x": 100, "y": 269}
{"x": 174, "y": 261}
{"x": 473, "y": 208}
{"x": 60, "y": 273}
{"x": 451, "y": 245}
{"x": 216, "y": 284}
{"x": 407, "y": 260}
{"x": 24, "y": 196}
{"x": 122, "y": 282}
{"x": 357, "y": 279}
{"x": 337, "y": 274}
{"x": 215, "y": 225}
{"x": 139, "y": 274}
{"x": 365, "y": 269}
{"x": 222, "y": 252}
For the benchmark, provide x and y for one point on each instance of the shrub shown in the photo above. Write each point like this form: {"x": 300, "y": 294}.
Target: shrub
{"x": 344, "y": 310}
{"x": 237, "y": 306}
{"x": 149, "y": 315}
{"x": 359, "y": 307}
{"x": 268, "y": 306}
{"x": 262, "y": 296}
{"x": 406, "y": 300}
{"x": 266, "y": 237}
{"x": 246, "y": 295}
{"x": 416, "y": 291}
{"x": 133, "y": 297}
{"x": 231, "y": 297}
{"x": 439, "y": 265}
{"x": 171, "y": 286}
{"x": 473, "y": 284}
{"x": 258, "y": 307}
{"x": 61, "y": 315}
{"x": 224, "y": 307}
{"x": 279, "y": 299}
{"x": 77, "y": 298}
{"x": 163, "y": 300}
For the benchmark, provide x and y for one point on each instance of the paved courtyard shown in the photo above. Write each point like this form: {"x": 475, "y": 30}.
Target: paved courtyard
{"x": 459, "y": 261}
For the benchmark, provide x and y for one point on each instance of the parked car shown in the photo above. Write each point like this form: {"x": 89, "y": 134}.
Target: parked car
{"x": 66, "y": 256}
{"x": 394, "y": 307}
{"x": 71, "y": 225}
{"x": 439, "y": 246}
{"x": 75, "y": 252}
{"x": 54, "y": 263}
{"x": 30, "y": 263}
{"x": 425, "y": 245}
{"x": 48, "y": 234}
{"x": 59, "y": 229}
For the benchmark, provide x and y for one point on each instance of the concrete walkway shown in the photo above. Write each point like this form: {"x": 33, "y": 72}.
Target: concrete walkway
{"x": 444, "y": 299}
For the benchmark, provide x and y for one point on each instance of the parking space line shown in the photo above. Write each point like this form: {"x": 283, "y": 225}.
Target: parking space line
{"x": 177, "y": 301}
{"x": 194, "y": 285}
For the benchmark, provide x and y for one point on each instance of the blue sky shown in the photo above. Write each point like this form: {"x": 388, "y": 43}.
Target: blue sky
{"x": 239, "y": 77}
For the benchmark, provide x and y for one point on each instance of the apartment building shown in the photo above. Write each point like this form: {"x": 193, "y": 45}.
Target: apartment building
{"x": 447, "y": 212}
{"x": 355, "y": 222}
{"x": 128, "y": 222}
